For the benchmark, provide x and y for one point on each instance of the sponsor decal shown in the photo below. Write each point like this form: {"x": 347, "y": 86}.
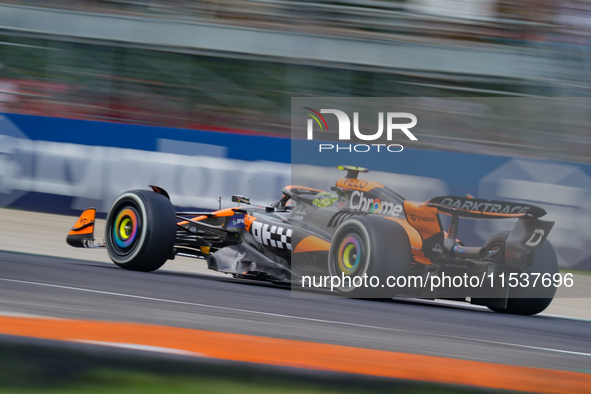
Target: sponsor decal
{"x": 437, "y": 248}
{"x": 418, "y": 218}
{"x": 299, "y": 213}
{"x": 237, "y": 221}
{"x": 271, "y": 235}
{"x": 359, "y": 184}
{"x": 484, "y": 206}
{"x": 373, "y": 205}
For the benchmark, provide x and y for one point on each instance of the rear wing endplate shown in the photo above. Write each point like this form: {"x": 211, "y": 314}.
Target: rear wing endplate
{"x": 525, "y": 240}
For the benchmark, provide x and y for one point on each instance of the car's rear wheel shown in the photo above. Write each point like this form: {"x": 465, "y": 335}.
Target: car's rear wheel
{"x": 528, "y": 299}
{"x": 364, "y": 252}
{"x": 140, "y": 230}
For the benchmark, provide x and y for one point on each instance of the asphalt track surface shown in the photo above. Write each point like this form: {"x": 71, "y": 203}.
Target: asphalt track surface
{"x": 53, "y": 287}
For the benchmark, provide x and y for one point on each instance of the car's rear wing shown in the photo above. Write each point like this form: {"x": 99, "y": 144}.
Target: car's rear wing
{"x": 480, "y": 208}
{"x": 526, "y": 238}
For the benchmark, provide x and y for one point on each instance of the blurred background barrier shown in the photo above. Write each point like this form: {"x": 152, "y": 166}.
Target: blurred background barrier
{"x": 236, "y": 64}
{"x": 64, "y": 165}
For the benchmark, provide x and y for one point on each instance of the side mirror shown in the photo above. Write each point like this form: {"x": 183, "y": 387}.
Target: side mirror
{"x": 240, "y": 199}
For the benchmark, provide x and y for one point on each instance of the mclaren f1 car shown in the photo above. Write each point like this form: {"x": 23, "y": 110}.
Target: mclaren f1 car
{"x": 358, "y": 228}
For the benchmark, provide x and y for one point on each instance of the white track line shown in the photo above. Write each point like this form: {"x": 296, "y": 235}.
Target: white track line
{"x": 146, "y": 348}
{"x": 291, "y": 316}
{"x": 196, "y": 304}
{"x": 30, "y": 315}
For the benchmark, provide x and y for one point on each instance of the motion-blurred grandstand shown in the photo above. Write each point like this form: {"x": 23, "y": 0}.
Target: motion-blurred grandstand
{"x": 233, "y": 65}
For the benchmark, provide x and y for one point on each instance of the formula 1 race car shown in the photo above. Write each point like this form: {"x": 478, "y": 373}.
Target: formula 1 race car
{"x": 359, "y": 229}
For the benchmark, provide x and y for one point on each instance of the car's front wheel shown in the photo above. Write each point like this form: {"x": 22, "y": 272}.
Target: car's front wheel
{"x": 140, "y": 230}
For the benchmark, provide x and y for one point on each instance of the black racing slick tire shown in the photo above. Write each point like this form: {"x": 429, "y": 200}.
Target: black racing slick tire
{"x": 140, "y": 230}
{"x": 365, "y": 251}
{"x": 527, "y": 300}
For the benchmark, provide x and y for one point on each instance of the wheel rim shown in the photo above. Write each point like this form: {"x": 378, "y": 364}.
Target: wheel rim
{"x": 125, "y": 229}
{"x": 349, "y": 254}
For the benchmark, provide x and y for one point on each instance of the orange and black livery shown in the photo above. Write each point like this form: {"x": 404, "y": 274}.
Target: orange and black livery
{"x": 359, "y": 228}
